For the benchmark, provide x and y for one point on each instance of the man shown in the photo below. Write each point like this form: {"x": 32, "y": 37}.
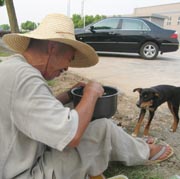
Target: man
{"x": 39, "y": 137}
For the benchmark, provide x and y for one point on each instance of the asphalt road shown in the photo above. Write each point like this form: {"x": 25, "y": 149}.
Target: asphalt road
{"x": 127, "y": 72}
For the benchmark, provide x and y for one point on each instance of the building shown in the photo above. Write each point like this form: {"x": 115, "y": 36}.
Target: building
{"x": 167, "y": 16}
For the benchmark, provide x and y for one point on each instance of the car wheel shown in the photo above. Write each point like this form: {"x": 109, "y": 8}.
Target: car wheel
{"x": 149, "y": 50}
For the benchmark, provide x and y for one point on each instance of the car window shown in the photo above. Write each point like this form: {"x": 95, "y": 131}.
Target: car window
{"x": 133, "y": 24}
{"x": 107, "y": 24}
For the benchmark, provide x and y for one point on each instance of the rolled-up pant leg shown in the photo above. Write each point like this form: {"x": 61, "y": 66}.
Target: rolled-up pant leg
{"x": 102, "y": 142}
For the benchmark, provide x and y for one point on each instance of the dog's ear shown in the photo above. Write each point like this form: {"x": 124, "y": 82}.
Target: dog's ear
{"x": 137, "y": 89}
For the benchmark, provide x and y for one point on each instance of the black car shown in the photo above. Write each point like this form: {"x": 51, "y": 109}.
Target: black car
{"x": 129, "y": 35}
{"x": 3, "y": 32}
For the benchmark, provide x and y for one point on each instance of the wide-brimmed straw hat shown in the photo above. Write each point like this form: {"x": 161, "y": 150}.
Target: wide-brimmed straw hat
{"x": 59, "y": 28}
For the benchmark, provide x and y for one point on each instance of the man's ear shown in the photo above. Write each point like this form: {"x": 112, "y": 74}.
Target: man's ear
{"x": 137, "y": 89}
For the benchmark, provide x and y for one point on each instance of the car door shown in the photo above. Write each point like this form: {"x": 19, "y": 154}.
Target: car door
{"x": 102, "y": 36}
{"x": 134, "y": 33}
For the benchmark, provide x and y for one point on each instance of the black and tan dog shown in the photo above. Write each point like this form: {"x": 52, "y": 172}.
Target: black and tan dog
{"x": 151, "y": 98}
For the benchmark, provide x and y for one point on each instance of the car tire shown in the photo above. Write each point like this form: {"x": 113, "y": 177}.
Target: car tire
{"x": 149, "y": 50}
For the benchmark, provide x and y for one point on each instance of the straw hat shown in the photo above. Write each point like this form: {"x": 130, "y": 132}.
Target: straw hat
{"x": 55, "y": 27}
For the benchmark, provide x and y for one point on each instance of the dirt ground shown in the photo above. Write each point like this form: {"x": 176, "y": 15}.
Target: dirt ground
{"x": 127, "y": 114}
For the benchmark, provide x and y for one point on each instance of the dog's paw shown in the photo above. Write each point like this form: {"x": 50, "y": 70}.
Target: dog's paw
{"x": 134, "y": 135}
{"x": 145, "y": 136}
{"x": 171, "y": 130}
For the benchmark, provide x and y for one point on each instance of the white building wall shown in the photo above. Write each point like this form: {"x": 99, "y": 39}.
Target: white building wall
{"x": 170, "y": 11}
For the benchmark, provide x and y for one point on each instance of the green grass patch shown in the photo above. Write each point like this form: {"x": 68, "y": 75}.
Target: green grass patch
{"x": 134, "y": 172}
{"x": 4, "y": 54}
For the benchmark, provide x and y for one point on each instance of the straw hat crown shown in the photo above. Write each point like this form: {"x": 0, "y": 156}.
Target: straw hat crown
{"x": 55, "y": 27}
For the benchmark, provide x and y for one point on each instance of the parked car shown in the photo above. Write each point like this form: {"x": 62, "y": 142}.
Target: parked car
{"x": 129, "y": 35}
{"x": 3, "y": 32}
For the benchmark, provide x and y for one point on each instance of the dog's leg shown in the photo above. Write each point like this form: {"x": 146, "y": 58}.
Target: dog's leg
{"x": 174, "y": 108}
{"x": 146, "y": 130}
{"x": 138, "y": 125}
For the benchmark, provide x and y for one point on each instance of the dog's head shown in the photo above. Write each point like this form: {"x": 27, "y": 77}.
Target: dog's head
{"x": 147, "y": 97}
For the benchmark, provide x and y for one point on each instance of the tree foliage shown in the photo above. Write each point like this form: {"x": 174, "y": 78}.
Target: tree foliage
{"x": 28, "y": 25}
{"x": 2, "y": 2}
{"x": 79, "y": 21}
{"x": 5, "y": 27}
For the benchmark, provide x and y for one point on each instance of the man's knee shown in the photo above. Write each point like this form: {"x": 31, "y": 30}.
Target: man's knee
{"x": 102, "y": 123}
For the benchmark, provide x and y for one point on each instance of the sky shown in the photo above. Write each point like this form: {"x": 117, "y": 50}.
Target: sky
{"x": 36, "y": 10}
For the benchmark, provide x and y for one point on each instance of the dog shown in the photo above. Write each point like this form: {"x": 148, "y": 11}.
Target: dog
{"x": 151, "y": 98}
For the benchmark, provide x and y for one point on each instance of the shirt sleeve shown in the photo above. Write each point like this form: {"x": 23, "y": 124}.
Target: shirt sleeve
{"x": 38, "y": 114}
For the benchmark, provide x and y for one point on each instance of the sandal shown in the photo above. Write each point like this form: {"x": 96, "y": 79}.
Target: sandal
{"x": 150, "y": 140}
{"x": 155, "y": 159}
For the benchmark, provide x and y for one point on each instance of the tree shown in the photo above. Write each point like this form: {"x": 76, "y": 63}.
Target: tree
{"x": 78, "y": 21}
{"x": 76, "y": 18}
{"x": 1, "y": 2}
{"x": 98, "y": 17}
{"x": 12, "y": 15}
{"x": 5, "y": 27}
{"x": 28, "y": 25}
{"x": 89, "y": 20}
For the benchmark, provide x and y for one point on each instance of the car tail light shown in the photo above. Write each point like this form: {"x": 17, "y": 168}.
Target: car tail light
{"x": 174, "y": 36}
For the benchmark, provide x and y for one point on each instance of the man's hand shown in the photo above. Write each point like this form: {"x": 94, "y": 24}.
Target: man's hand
{"x": 93, "y": 89}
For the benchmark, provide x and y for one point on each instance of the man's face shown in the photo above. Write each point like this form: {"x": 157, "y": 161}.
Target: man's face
{"x": 58, "y": 62}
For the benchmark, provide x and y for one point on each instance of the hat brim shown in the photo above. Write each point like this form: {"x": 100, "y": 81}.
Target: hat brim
{"x": 85, "y": 55}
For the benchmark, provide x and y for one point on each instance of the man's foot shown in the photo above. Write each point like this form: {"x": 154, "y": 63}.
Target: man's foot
{"x": 159, "y": 153}
{"x": 150, "y": 140}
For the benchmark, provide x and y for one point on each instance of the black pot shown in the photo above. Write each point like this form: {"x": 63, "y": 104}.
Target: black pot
{"x": 106, "y": 105}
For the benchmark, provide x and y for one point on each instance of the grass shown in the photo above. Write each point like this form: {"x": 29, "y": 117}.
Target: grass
{"x": 134, "y": 172}
{"x": 4, "y": 54}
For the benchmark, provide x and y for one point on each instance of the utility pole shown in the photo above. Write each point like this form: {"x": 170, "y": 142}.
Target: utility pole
{"x": 83, "y": 15}
{"x": 69, "y": 8}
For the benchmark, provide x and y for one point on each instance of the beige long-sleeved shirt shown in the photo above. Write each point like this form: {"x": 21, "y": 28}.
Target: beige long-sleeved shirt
{"x": 31, "y": 118}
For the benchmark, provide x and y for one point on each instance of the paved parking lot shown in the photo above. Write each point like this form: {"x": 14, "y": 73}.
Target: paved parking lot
{"x": 127, "y": 72}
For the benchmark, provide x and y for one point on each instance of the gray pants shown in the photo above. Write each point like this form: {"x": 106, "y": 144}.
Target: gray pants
{"x": 102, "y": 142}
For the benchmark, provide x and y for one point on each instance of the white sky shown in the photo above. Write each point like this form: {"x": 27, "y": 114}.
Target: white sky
{"x": 35, "y": 10}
